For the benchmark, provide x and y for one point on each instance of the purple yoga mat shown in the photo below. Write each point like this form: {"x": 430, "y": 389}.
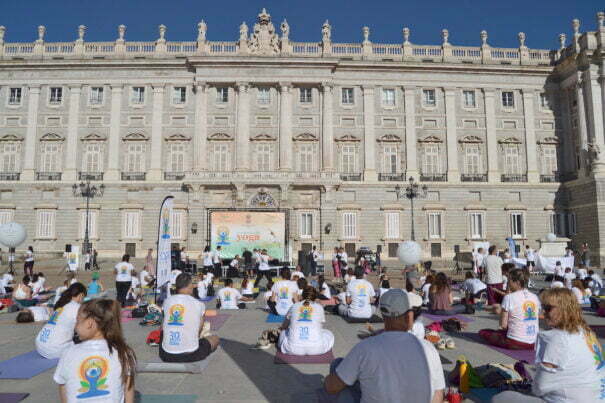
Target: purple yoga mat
{"x": 281, "y": 358}
{"x": 12, "y": 397}
{"x": 520, "y": 355}
{"x": 216, "y": 322}
{"x": 25, "y": 366}
{"x": 439, "y": 318}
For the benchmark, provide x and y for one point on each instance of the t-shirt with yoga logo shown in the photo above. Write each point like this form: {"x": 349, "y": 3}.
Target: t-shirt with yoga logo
{"x": 228, "y": 297}
{"x": 202, "y": 289}
{"x": 361, "y": 292}
{"x": 124, "y": 271}
{"x": 305, "y": 324}
{"x": 285, "y": 291}
{"x": 58, "y": 332}
{"x": 90, "y": 373}
{"x": 523, "y": 308}
{"x": 181, "y": 325}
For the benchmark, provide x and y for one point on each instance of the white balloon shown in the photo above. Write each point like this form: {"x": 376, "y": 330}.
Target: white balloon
{"x": 551, "y": 237}
{"x": 12, "y": 234}
{"x": 409, "y": 253}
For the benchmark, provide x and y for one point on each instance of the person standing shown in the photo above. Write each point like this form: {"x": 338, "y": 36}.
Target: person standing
{"x": 28, "y": 267}
{"x": 123, "y": 272}
{"x": 314, "y": 257}
{"x": 247, "y": 255}
{"x": 217, "y": 261}
{"x": 493, "y": 278}
{"x": 95, "y": 260}
{"x": 585, "y": 255}
{"x": 184, "y": 259}
{"x": 336, "y": 263}
{"x": 263, "y": 268}
{"x": 530, "y": 256}
{"x": 87, "y": 261}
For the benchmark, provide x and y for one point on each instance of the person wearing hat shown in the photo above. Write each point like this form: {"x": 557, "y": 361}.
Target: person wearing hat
{"x": 391, "y": 366}
{"x": 95, "y": 288}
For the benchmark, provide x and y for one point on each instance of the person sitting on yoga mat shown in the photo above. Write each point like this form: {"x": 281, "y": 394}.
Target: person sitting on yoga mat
{"x": 441, "y": 298}
{"x": 324, "y": 289}
{"x": 202, "y": 287}
{"x": 95, "y": 288}
{"x": 358, "y": 298}
{"x": 569, "y": 357}
{"x": 183, "y": 326}
{"x": 473, "y": 287}
{"x": 23, "y": 293}
{"x": 284, "y": 294}
{"x": 102, "y": 367}
{"x": 58, "y": 333}
{"x": 33, "y": 314}
{"x": 392, "y": 366}
{"x": 302, "y": 332}
{"x": 248, "y": 288}
{"x": 229, "y": 297}
{"x": 519, "y": 317}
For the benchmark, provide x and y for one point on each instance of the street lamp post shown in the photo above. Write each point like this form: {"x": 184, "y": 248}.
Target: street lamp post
{"x": 411, "y": 191}
{"x": 88, "y": 191}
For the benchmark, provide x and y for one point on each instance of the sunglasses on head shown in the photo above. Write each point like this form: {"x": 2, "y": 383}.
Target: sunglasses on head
{"x": 547, "y": 307}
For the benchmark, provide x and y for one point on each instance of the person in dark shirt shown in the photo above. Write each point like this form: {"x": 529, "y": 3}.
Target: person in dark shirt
{"x": 247, "y": 255}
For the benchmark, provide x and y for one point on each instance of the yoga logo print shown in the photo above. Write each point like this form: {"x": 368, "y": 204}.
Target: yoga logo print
{"x": 595, "y": 348}
{"x": 227, "y": 296}
{"x": 55, "y": 316}
{"x": 223, "y": 236}
{"x": 529, "y": 311}
{"x": 176, "y": 315}
{"x": 283, "y": 293}
{"x": 305, "y": 313}
{"x": 166, "y": 224}
{"x": 93, "y": 377}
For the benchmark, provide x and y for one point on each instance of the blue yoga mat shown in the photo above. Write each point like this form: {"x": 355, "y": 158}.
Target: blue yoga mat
{"x": 26, "y": 366}
{"x": 275, "y": 318}
{"x": 207, "y": 299}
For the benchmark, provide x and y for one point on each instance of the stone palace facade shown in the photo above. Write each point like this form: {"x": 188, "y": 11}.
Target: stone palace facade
{"x": 509, "y": 142}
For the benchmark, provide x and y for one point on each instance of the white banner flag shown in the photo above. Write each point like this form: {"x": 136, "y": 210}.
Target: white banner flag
{"x": 164, "y": 243}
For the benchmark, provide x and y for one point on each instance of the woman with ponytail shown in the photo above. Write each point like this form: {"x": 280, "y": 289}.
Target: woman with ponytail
{"x": 57, "y": 335}
{"x": 101, "y": 367}
{"x": 302, "y": 331}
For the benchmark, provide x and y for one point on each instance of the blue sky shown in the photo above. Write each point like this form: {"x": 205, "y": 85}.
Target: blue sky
{"x": 541, "y": 20}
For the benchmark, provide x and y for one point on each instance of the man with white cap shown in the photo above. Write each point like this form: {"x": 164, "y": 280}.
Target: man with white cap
{"x": 391, "y": 366}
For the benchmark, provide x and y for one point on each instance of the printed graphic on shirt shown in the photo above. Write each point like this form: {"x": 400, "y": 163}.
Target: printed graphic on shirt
{"x": 55, "y": 316}
{"x": 93, "y": 377}
{"x": 595, "y": 348}
{"x": 166, "y": 224}
{"x": 361, "y": 291}
{"x": 227, "y": 296}
{"x": 283, "y": 293}
{"x": 530, "y": 311}
{"x": 176, "y": 315}
{"x": 305, "y": 313}
{"x": 123, "y": 270}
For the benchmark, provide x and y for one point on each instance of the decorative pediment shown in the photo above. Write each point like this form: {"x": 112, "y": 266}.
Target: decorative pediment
{"x": 51, "y": 137}
{"x": 471, "y": 140}
{"x": 263, "y": 40}
{"x": 305, "y": 137}
{"x": 11, "y": 137}
{"x": 220, "y": 137}
{"x": 509, "y": 140}
{"x": 177, "y": 137}
{"x": 550, "y": 140}
{"x": 263, "y": 137}
{"x": 93, "y": 137}
{"x": 347, "y": 137}
{"x": 135, "y": 137}
{"x": 430, "y": 139}
{"x": 389, "y": 138}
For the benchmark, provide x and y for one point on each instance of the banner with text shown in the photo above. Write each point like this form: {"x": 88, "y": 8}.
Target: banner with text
{"x": 236, "y": 230}
{"x": 164, "y": 243}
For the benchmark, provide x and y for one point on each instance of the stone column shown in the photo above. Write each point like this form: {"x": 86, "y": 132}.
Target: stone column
{"x": 285, "y": 126}
{"x": 242, "y": 135}
{"x": 113, "y": 147}
{"x": 493, "y": 175}
{"x": 29, "y": 163}
{"x": 410, "y": 132}
{"x": 582, "y": 126}
{"x": 369, "y": 141}
{"x": 71, "y": 152}
{"x": 453, "y": 173}
{"x": 568, "y": 152}
{"x": 200, "y": 134}
{"x": 531, "y": 153}
{"x": 594, "y": 109}
{"x": 155, "y": 171}
{"x": 327, "y": 133}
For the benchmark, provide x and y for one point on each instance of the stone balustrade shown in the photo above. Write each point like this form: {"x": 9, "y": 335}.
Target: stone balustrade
{"x": 246, "y": 176}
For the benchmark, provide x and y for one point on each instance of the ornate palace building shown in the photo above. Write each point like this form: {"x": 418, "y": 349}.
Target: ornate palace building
{"x": 508, "y": 141}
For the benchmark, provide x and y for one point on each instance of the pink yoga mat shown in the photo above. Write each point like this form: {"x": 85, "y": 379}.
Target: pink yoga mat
{"x": 125, "y": 317}
{"x": 331, "y": 301}
{"x": 216, "y": 322}
{"x": 281, "y": 358}
{"x": 439, "y": 318}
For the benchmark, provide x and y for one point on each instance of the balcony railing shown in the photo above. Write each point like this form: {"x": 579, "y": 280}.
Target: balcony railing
{"x": 513, "y": 178}
{"x": 93, "y": 176}
{"x": 9, "y": 176}
{"x": 174, "y": 176}
{"x": 133, "y": 176}
{"x": 48, "y": 176}
{"x": 220, "y": 176}
{"x": 391, "y": 177}
{"x": 433, "y": 177}
{"x": 473, "y": 178}
{"x": 569, "y": 176}
{"x": 350, "y": 177}
{"x": 550, "y": 178}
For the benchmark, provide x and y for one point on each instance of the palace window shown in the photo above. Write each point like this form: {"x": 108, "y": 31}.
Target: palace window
{"x": 55, "y": 95}
{"x": 390, "y": 159}
{"x": 135, "y": 157}
{"x": 177, "y": 225}
{"x": 92, "y": 161}
{"x": 428, "y": 98}
{"x": 349, "y": 225}
{"x": 10, "y": 157}
{"x": 305, "y": 157}
{"x": 15, "y": 96}
{"x": 263, "y": 157}
{"x": 306, "y": 95}
{"x": 431, "y": 163}
{"x": 544, "y": 102}
{"x": 348, "y": 161}
{"x": 472, "y": 159}
{"x": 263, "y": 96}
{"x": 388, "y": 97}
{"x": 92, "y": 223}
{"x": 469, "y": 99}
{"x": 549, "y": 159}
{"x": 512, "y": 160}
{"x": 306, "y": 225}
{"x": 348, "y": 96}
{"x": 137, "y": 96}
{"x": 50, "y": 157}
{"x": 177, "y": 157}
{"x": 220, "y": 155}
{"x": 392, "y": 225}
{"x": 222, "y": 95}
{"x": 6, "y": 216}
{"x": 434, "y": 223}
{"x": 46, "y": 224}
{"x": 179, "y": 95}
{"x": 96, "y": 96}
{"x": 132, "y": 224}
{"x": 476, "y": 225}
{"x": 517, "y": 225}
{"x": 508, "y": 99}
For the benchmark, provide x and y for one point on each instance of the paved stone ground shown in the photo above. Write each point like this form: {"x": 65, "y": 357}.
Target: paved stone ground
{"x": 236, "y": 372}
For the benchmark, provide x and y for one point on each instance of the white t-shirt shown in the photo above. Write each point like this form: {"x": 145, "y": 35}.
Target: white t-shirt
{"x": 529, "y": 254}
{"x": 143, "y": 275}
{"x": 208, "y": 278}
{"x": 58, "y": 332}
{"x": 569, "y": 277}
{"x": 29, "y": 256}
{"x": 8, "y": 278}
{"x": 557, "y": 284}
{"x": 124, "y": 271}
{"x": 285, "y": 291}
{"x": 202, "y": 289}
{"x": 523, "y": 308}
{"x": 582, "y": 273}
{"x": 229, "y": 297}
{"x": 381, "y": 364}
{"x": 181, "y": 326}
{"x": 576, "y": 377}
{"x": 344, "y": 257}
{"x": 234, "y": 263}
{"x": 216, "y": 257}
{"x": 473, "y": 285}
{"x": 325, "y": 291}
{"x": 207, "y": 258}
{"x": 263, "y": 264}
{"x": 559, "y": 271}
{"x": 305, "y": 324}
{"x": 425, "y": 293}
{"x": 36, "y": 287}
{"x": 90, "y": 373}
{"x": 418, "y": 330}
{"x": 493, "y": 268}
{"x": 249, "y": 289}
{"x": 595, "y": 277}
{"x": 360, "y": 291}
{"x": 40, "y": 313}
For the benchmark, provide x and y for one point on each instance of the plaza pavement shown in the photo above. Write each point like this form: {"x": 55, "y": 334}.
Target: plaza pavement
{"x": 236, "y": 372}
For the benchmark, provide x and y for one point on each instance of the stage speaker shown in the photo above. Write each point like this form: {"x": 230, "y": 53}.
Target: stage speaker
{"x": 68, "y": 247}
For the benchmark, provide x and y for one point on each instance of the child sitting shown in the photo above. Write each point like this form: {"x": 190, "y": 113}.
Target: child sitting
{"x": 229, "y": 297}
{"x": 324, "y": 290}
{"x": 95, "y": 288}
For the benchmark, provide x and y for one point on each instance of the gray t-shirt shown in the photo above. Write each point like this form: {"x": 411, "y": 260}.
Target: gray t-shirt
{"x": 493, "y": 268}
{"x": 390, "y": 365}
